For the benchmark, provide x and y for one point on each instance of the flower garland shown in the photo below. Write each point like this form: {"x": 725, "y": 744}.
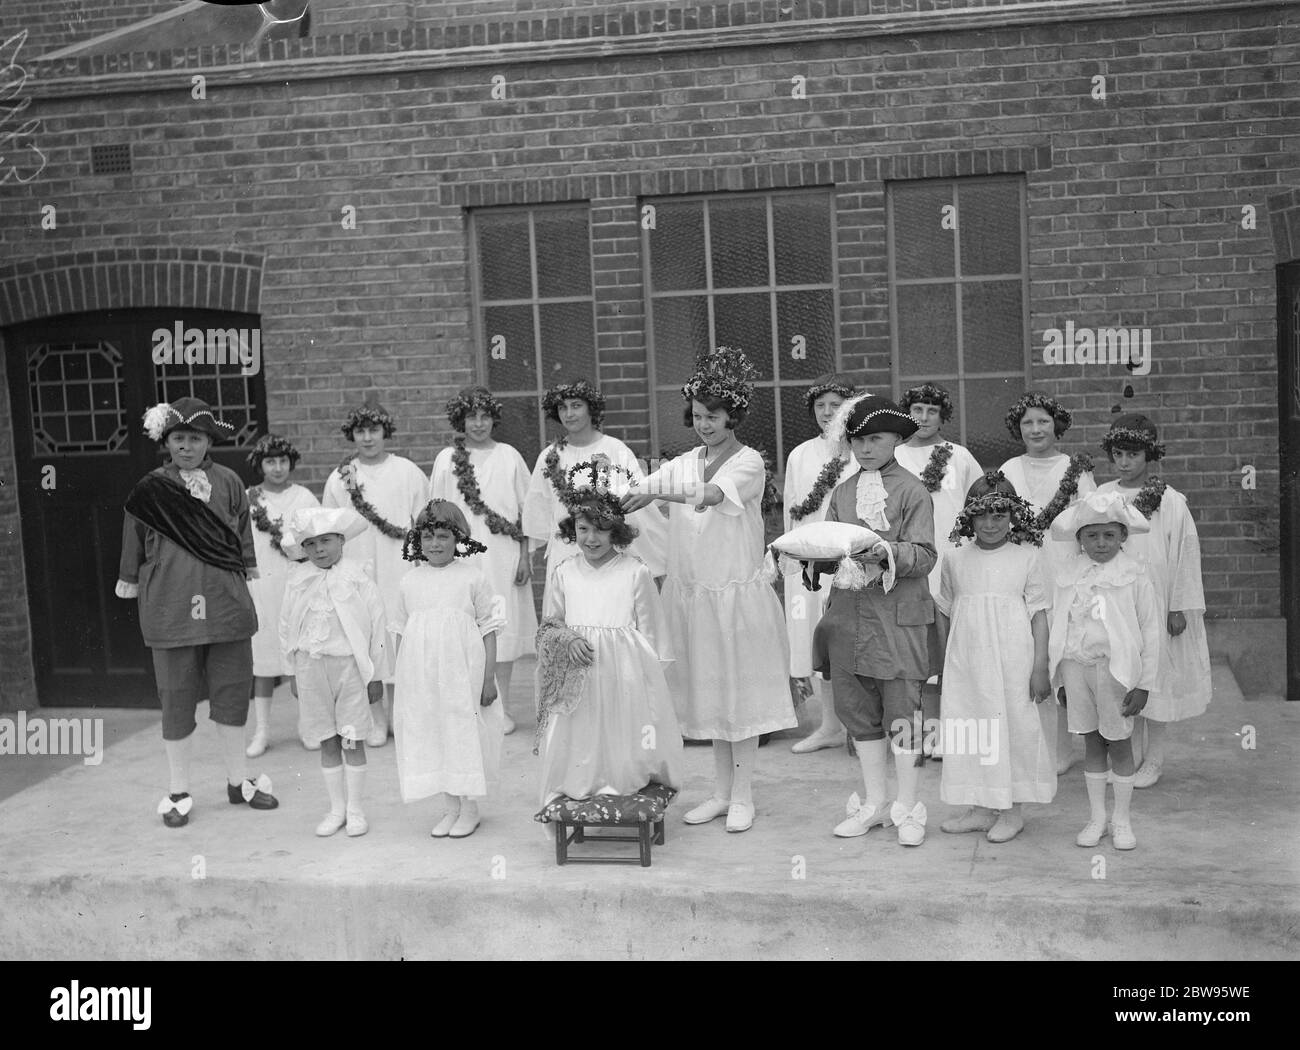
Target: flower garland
{"x": 932, "y": 476}
{"x": 552, "y": 472}
{"x": 1148, "y": 499}
{"x": 825, "y": 482}
{"x": 263, "y": 521}
{"x": 1066, "y": 491}
{"x": 771, "y": 494}
{"x": 348, "y": 475}
{"x": 467, "y": 486}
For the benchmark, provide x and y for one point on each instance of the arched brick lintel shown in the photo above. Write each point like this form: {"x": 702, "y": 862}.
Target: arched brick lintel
{"x": 126, "y": 278}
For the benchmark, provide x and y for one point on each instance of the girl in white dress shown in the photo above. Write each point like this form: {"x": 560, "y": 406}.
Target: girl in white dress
{"x": 388, "y": 491}
{"x": 1171, "y": 552}
{"x": 730, "y": 679}
{"x": 449, "y": 732}
{"x": 992, "y": 605}
{"x": 580, "y": 408}
{"x": 1050, "y": 481}
{"x": 271, "y": 503}
{"x": 812, "y": 471}
{"x": 488, "y": 481}
{"x": 623, "y": 732}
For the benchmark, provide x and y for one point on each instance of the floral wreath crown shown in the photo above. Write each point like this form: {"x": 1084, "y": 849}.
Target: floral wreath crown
{"x": 726, "y": 375}
{"x": 369, "y": 416}
{"x": 1059, "y": 413}
{"x": 584, "y": 391}
{"x": 928, "y": 394}
{"x": 476, "y": 399}
{"x": 1024, "y": 520}
{"x": 413, "y": 548}
{"x": 596, "y": 481}
{"x": 1128, "y": 437}
{"x": 845, "y": 390}
{"x": 268, "y": 447}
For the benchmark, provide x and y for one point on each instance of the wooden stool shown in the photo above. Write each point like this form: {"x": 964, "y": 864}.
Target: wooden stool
{"x": 576, "y": 819}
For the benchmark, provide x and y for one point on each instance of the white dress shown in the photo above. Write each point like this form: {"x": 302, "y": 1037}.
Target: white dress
{"x": 731, "y": 676}
{"x": 959, "y": 474}
{"x": 1171, "y": 553}
{"x": 543, "y": 510}
{"x": 398, "y": 490}
{"x": 502, "y": 477}
{"x": 990, "y": 597}
{"x": 1037, "y": 481}
{"x": 804, "y": 608}
{"x": 446, "y": 740}
{"x": 272, "y": 571}
{"x": 623, "y": 734}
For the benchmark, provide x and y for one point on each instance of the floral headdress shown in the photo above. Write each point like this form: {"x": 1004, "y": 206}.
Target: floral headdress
{"x": 188, "y": 412}
{"x": 598, "y": 484}
{"x": 1037, "y": 399}
{"x": 468, "y": 401}
{"x": 440, "y": 514}
{"x": 584, "y": 391}
{"x": 726, "y": 375}
{"x": 268, "y": 447}
{"x": 1133, "y": 431}
{"x": 928, "y": 394}
{"x": 993, "y": 493}
{"x": 833, "y": 383}
{"x": 371, "y": 414}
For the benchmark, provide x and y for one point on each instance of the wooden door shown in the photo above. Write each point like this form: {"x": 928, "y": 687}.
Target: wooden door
{"x": 79, "y": 387}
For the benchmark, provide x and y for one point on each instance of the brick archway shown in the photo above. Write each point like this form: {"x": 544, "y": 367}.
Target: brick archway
{"x": 125, "y": 278}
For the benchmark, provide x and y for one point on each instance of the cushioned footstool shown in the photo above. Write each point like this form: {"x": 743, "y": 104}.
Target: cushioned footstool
{"x": 574, "y": 819}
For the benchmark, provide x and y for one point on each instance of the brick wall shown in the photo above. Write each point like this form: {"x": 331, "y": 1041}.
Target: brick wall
{"x": 1134, "y": 213}
{"x": 53, "y": 24}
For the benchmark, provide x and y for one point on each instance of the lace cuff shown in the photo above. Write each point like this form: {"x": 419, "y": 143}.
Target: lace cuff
{"x": 127, "y": 590}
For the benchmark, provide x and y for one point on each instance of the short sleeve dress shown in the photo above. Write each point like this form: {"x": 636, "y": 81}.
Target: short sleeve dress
{"x": 273, "y": 571}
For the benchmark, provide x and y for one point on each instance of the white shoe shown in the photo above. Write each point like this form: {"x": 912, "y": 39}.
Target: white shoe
{"x": 310, "y": 745}
{"x": 861, "y": 819}
{"x": 911, "y": 825}
{"x": 977, "y": 818}
{"x": 740, "y": 816}
{"x": 817, "y": 740}
{"x": 707, "y": 811}
{"x": 1147, "y": 776}
{"x": 258, "y": 745}
{"x": 1122, "y": 835}
{"x": 1091, "y": 834}
{"x": 509, "y": 722}
{"x": 443, "y": 828}
{"x": 378, "y": 735}
{"x": 357, "y": 823}
{"x": 466, "y": 824}
{"x": 331, "y": 824}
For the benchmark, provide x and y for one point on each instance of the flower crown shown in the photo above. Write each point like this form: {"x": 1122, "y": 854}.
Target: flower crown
{"x": 268, "y": 447}
{"x": 159, "y": 418}
{"x": 413, "y": 547}
{"x": 1059, "y": 413}
{"x": 369, "y": 416}
{"x": 1128, "y": 437}
{"x": 725, "y": 375}
{"x": 928, "y": 394}
{"x": 583, "y": 391}
{"x": 1024, "y": 520}
{"x": 475, "y": 399}
{"x": 598, "y": 480}
{"x": 834, "y": 386}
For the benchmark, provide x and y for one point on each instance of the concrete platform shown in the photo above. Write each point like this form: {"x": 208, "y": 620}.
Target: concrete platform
{"x": 87, "y": 869}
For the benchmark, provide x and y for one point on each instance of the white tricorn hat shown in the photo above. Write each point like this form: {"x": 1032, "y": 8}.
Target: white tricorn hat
{"x": 1098, "y": 508}
{"x": 310, "y": 522}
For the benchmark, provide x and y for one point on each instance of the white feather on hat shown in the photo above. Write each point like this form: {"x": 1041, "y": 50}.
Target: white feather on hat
{"x": 1098, "y": 508}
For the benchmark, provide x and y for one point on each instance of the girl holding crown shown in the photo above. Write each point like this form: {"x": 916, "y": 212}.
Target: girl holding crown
{"x": 726, "y": 626}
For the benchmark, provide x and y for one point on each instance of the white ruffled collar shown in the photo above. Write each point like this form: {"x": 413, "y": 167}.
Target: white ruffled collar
{"x": 871, "y": 499}
{"x": 1080, "y": 571}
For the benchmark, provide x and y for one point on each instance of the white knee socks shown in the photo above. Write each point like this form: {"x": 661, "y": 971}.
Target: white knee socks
{"x": 871, "y": 757}
{"x": 356, "y": 778}
{"x": 178, "y": 763}
{"x": 232, "y": 750}
{"x": 1096, "y": 784}
{"x": 723, "y": 770}
{"x": 334, "y": 785}
{"x": 744, "y": 755}
{"x": 1123, "y": 798}
{"x": 831, "y": 724}
{"x": 909, "y": 775}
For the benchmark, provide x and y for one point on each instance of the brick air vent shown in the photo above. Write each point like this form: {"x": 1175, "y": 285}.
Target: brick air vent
{"x": 111, "y": 160}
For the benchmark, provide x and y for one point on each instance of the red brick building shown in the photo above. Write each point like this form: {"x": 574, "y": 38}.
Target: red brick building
{"x": 411, "y": 196}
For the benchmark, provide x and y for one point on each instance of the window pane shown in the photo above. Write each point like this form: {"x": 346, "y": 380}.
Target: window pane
{"x": 677, "y": 247}
{"x": 568, "y": 342}
{"x": 922, "y": 247}
{"x": 508, "y": 332}
{"x": 744, "y": 322}
{"x": 518, "y": 427}
{"x": 674, "y": 438}
{"x": 988, "y": 215}
{"x": 801, "y": 232}
{"x": 503, "y": 257}
{"x": 563, "y": 253}
{"x": 738, "y": 239}
{"x": 927, "y": 329}
{"x": 812, "y": 316}
{"x": 992, "y": 326}
{"x": 983, "y": 424}
{"x": 681, "y": 334}
{"x": 78, "y": 397}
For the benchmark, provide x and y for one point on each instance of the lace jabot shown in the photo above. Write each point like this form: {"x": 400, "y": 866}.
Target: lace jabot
{"x": 871, "y": 500}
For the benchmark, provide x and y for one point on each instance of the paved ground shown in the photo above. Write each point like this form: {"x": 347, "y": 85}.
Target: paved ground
{"x": 88, "y": 871}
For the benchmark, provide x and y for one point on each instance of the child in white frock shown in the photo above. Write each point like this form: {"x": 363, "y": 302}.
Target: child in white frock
{"x": 622, "y": 733}
{"x": 495, "y": 475}
{"x": 449, "y": 732}
{"x": 271, "y": 503}
{"x": 992, "y": 606}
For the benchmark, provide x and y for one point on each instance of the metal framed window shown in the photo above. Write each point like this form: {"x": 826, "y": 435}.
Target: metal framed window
{"x": 755, "y": 271}
{"x": 233, "y": 397}
{"x": 534, "y": 309}
{"x": 76, "y": 391}
{"x": 959, "y": 300}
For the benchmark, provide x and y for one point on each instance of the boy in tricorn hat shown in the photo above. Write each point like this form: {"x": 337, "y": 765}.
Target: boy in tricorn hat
{"x": 187, "y": 553}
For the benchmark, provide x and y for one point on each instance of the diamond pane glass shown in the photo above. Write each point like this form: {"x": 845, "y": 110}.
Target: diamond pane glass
{"x": 503, "y": 256}
{"x": 801, "y": 234}
{"x": 805, "y": 334}
{"x": 677, "y": 247}
{"x": 992, "y": 325}
{"x": 67, "y": 383}
{"x": 568, "y": 342}
{"x": 983, "y": 426}
{"x": 989, "y": 222}
{"x": 922, "y": 247}
{"x": 681, "y": 334}
{"x": 738, "y": 242}
{"x": 75, "y": 365}
{"x": 77, "y": 397}
{"x": 511, "y": 348}
{"x": 927, "y": 329}
{"x": 744, "y": 322}
{"x": 563, "y": 252}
